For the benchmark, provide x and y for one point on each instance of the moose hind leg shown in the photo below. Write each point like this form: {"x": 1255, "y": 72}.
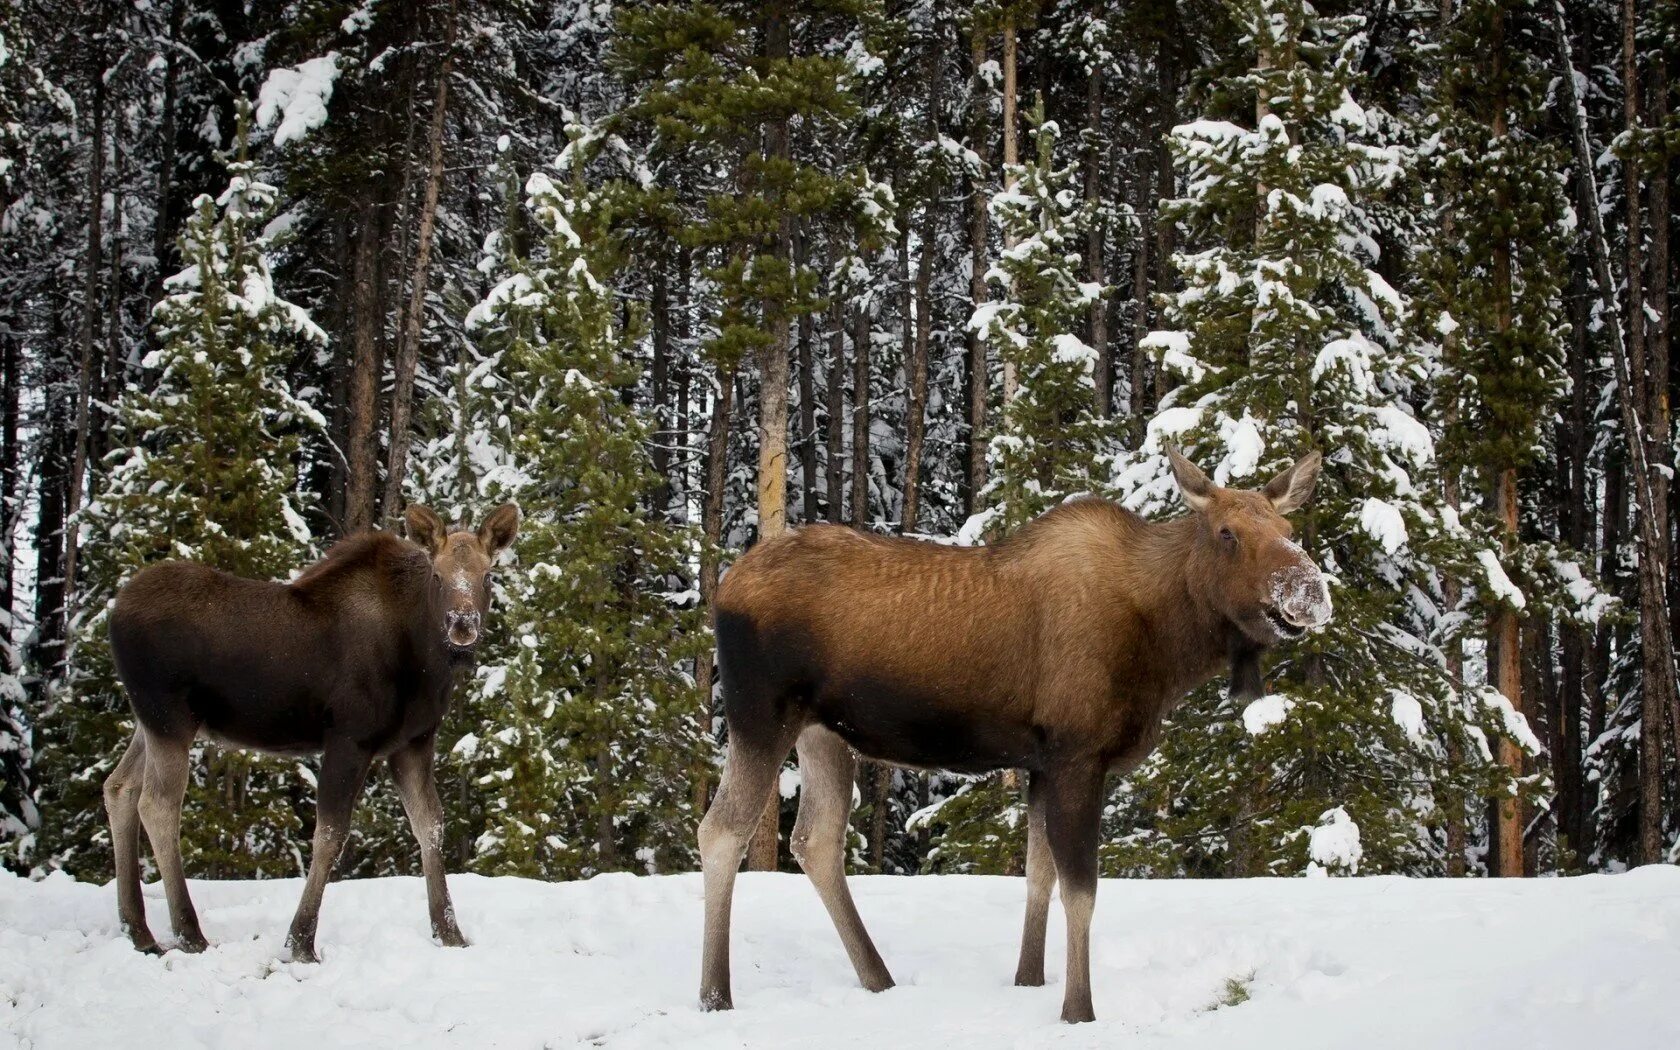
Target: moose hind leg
{"x": 343, "y": 770}
{"x": 122, "y": 806}
{"x": 749, "y": 776}
{"x": 826, "y": 768}
{"x": 168, "y": 763}
{"x": 1041, "y": 879}
{"x": 411, "y": 767}
{"x": 1072, "y": 819}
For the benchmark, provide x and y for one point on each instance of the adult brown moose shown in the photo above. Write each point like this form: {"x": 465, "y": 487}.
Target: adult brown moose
{"x": 1056, "y": 651}
{"x": 354, "y": 660}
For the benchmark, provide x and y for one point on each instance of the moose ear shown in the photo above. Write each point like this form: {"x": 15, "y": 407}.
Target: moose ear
{"x": 1192, "y": 483}
{"x": 499, "y": 529}
{"x": 1290, "y": 490}
{"x": 425, "y": 528}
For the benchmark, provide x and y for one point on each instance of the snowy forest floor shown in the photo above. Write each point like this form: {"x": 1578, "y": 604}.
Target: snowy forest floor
{"x": 1379, "y": 962}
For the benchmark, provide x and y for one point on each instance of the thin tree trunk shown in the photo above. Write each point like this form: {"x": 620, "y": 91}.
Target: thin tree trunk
{"x": 861, "y": 337}
{"x": 1104, "y": 369}
{"x": 979, "y": 381}
{"x": 915, "y": 418}
{"x": 408, "y": 341}
{"x": 1011, "y": 157}
{"x": 1167, "y": 92}
{"x": 773, "y": 403}
{"x": 11, "y": 500}
{"x": 1138, "y": 402}
{"x": 835, "y": 475}
{"x": 362, "y": 396}
{"x": 807, "y": 399}
{"x": 660, "y": 382}
{"x": 163, "y": 227}
{"x": 1658, "y": 358}
{"x": 91, "y": 266}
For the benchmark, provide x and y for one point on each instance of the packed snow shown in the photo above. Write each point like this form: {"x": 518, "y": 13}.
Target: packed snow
{"x": 1367, "y": 962}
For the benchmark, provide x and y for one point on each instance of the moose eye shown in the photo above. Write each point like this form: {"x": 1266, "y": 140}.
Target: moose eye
{"x": 1228, "y": 537}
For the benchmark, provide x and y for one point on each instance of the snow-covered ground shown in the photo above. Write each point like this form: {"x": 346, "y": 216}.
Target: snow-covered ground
{"x": 1344, "y": 963}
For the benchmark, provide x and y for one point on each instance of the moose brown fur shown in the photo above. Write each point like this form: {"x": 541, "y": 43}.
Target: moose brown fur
{"x": 354, "y": 660}
{"x": 1057, "y": 651}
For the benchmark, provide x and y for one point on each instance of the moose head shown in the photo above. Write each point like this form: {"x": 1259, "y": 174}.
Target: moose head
{"x": 459, "y": 589}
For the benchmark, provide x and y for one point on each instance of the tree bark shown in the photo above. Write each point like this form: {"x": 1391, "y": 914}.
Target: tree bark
{"x": 1011, "y": 157}
{"x": 408, "y": 341}
{"x": 773, "y": 403}
{"x": 979, "y": 381}
{"x": 164, "y": 224}
{"x": 91, "y": 266}
{"x": 362, "y": 395}
{"x": 807, "y": 399}
{"x": 659, "y": 382}
{"x": 833, "y": 459}
{"x": 861, "y": 337}
{"x": 1104, "y": 377}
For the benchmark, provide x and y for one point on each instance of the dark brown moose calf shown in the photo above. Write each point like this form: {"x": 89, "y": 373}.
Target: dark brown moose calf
{"x": 1057, "y": 651}
{"x": 354, "y": 660}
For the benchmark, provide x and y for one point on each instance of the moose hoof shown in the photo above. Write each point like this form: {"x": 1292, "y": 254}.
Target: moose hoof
{"x": 192, "y": 944}
{"x": 298, "y": 952}
{"x": 1078, "y": 1014}
{"x": 452, "y": 938}
{"x": 878, "y": 982}
{"x": 1029, "y": 980}
{"x": 715, "y": 1000}
{"x": 147, "y": 945}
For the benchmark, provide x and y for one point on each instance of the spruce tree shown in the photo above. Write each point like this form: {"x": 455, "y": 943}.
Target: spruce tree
{"x": 591, "y": 763}
{"x": 208, "y": 445}
{"x": 1286, "y": 339}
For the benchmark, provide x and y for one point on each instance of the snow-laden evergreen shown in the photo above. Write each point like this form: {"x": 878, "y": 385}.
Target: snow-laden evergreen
{"x": 592, "y": 732}
{"x": 208, "y": 447}
{"x": 1285, "y": 339}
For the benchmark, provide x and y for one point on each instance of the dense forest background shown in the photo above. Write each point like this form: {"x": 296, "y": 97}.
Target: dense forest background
{"x": 677, "y": 277}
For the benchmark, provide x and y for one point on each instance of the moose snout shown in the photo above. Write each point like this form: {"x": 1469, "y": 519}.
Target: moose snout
{"x": 1303, "y": 600}
{"x": 462, "y": 627}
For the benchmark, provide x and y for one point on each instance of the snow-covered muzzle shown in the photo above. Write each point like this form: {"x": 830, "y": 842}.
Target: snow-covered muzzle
{"x": 1300, "y": 600}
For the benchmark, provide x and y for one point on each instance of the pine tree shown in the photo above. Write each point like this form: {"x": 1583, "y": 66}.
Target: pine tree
{"x": 591, "y": 766}
{"x": 208, "y": 448}
{"x": 1287, "y": 339}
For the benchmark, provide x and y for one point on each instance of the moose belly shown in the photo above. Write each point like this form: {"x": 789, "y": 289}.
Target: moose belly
{"x": 896, "y": 722}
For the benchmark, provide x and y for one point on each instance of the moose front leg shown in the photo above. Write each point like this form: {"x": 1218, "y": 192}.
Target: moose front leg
{"x": 1073, "y": 819}
{"x": 412, "y": 768}
{"x": 344, "y": 769}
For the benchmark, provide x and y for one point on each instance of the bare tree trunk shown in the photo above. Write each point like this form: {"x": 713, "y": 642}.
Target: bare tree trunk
{"x": 1104, "y": 377}
{"x": 807, "y": 399}
{"x": 1138, "y": 402}
{"x": 1011, "y": 157}
{"x": 362, "y": 396}
{"x": 861, "y": 337}
{"x": 408, "y": 341}
{"x": 836, "y": 413}
{"x": 1167, "y": 91}
{"x": 979, "y": 381}
{"x": 163, "y": 226}
{"x": 915, "y": 419}
{"x": 11, "y": 500}
{"x": 91, "y": 265}
{"x": 1658, "y": 363}
{"x": 773, "y": 405}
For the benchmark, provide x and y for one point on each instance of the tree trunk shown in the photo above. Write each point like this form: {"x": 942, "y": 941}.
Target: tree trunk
{"x": 1167, "y": 93}
{"x": 861, "y": 337}
{"x": 1011, "y": 157}
{"x": 773, "y": 403}
{"x": 807, "y": 399}
{"x": 659, "y": 383}
{"x": 11, "y": 500}
{"x": 91, "y": 266}
{"x": 164, "y": 222}
{"x": 362, "y": 396}
{"x": 979, "y": 381}
{"x": 408, "y": 341}
{"x": 1138, "y": 395}
{"x": 835, "y": 476}
{"x": 915, "y": 417}
{"x": 1104, "y": 369}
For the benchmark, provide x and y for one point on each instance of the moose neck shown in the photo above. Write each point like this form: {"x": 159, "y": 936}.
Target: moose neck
{"x": 1173, "y": 574}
